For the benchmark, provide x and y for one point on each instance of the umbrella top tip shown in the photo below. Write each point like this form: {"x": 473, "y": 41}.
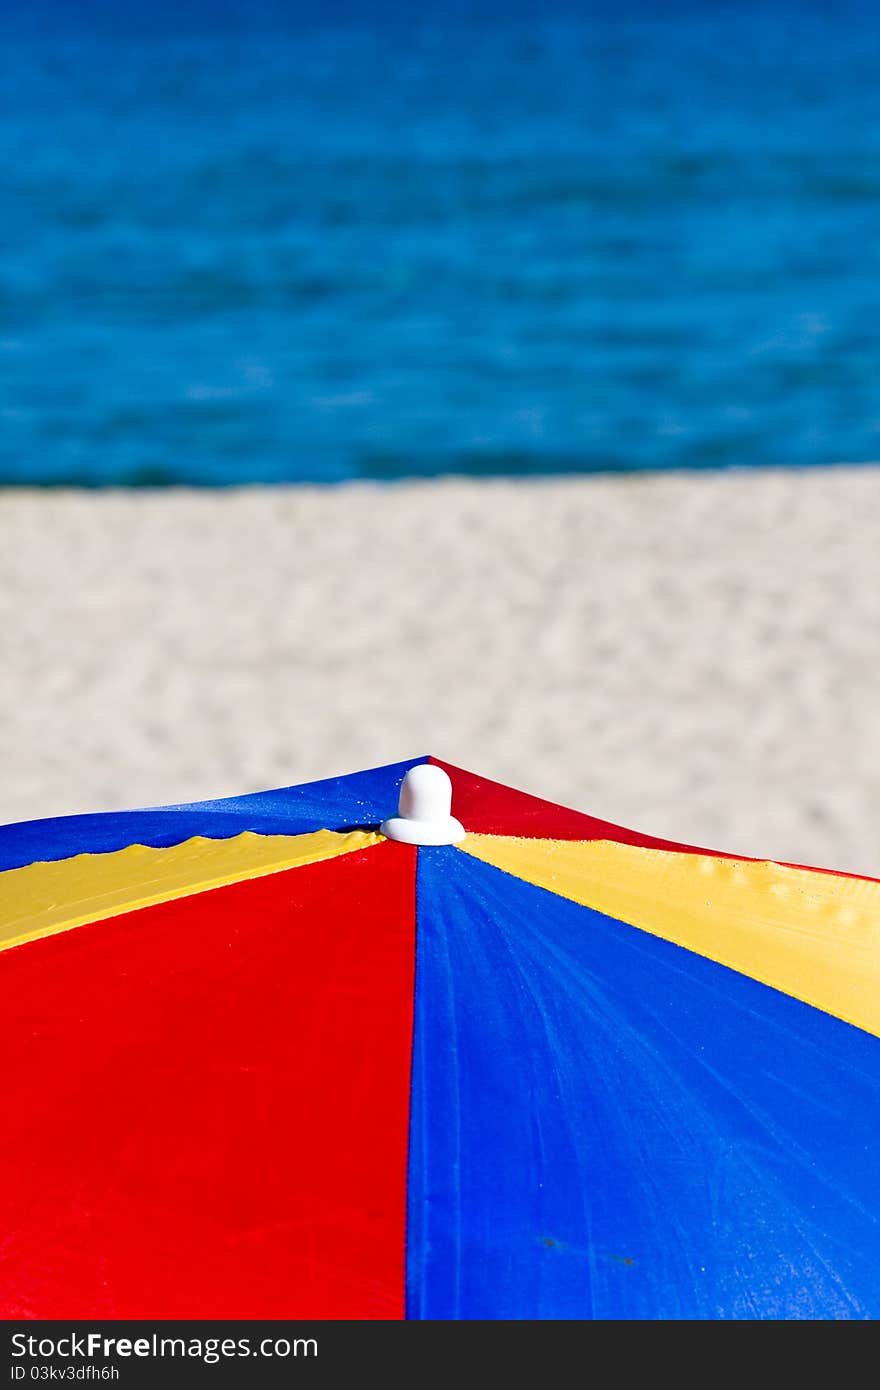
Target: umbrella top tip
{"x": 424, "y": 815}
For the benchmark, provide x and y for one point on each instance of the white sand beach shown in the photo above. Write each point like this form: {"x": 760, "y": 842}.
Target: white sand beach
{"x": 696, "y": 655}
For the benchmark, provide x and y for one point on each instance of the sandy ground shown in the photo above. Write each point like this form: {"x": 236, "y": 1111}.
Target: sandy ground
{"x": 697, "y": 656}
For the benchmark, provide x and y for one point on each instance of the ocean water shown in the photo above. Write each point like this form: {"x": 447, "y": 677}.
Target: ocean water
{"x": 258, "y": 242}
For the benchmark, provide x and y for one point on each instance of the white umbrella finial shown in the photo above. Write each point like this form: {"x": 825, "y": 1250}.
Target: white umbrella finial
{"x": 424, "y": 815}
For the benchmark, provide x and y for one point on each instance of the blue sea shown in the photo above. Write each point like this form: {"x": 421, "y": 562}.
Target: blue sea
{"x": 260, "y": 242}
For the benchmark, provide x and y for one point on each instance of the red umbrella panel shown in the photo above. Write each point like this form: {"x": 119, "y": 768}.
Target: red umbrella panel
{"x": 286, "y": 1055}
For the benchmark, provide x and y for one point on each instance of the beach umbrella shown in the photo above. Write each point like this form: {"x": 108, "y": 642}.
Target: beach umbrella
{"x": 293, "y": 1055}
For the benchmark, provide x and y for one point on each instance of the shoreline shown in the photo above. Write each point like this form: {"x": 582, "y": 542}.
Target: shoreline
{"x": 694, "y": 654}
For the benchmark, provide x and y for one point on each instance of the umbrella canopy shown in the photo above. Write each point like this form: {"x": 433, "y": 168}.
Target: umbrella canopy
{"x": 262, "y": 1060}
